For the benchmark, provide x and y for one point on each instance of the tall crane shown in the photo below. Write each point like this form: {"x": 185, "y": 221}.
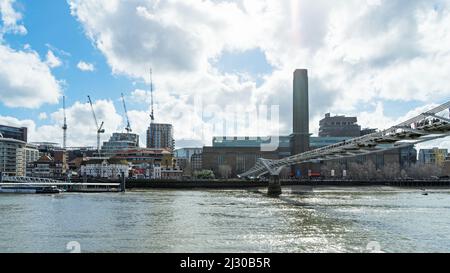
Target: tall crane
{"x": 64, "y": 127}
{"x": 100, "y": 129}
{"x": 152, "y": 114}
{"x": 128, "y": 128}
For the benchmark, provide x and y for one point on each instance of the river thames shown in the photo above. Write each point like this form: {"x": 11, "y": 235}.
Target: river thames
{"x": 302, "y": 220}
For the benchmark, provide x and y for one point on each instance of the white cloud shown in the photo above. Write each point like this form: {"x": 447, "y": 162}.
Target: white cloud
{"x": 28, "y": 83}
{"x": 43, "y": 116}
{"x": 173, "y": 36}
{"x": 10, "y": 18}
{"x": 359, "y": 53}
{"x": 25, "y": 80}
{"x": 12, "y": 121}
{"x": 83, "y": 66}
{"x": 52, "y": 61}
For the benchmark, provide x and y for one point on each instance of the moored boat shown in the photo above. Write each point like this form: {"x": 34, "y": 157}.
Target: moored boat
{"x": 29, "y": 189}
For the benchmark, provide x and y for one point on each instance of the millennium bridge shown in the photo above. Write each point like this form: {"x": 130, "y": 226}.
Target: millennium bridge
{"x": 433, "y": 124}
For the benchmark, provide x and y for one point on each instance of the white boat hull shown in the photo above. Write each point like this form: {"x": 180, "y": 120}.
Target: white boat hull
{"x": 24, "y": 189}
{"x": 13, "y": 190}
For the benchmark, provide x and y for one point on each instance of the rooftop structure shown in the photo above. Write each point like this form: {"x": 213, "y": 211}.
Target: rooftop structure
{"x": 19, "y": 133}
{"x": 339, "y": 126}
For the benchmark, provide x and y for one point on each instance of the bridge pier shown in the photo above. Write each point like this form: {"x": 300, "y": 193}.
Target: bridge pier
{"x": 122, "y": 182}
{"x": 274, "y": 186}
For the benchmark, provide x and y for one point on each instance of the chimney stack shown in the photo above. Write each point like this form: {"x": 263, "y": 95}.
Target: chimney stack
{"x": 300, "y": 136}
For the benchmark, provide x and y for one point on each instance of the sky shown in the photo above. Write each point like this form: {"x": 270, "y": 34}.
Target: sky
{"x": 219, "y": 66}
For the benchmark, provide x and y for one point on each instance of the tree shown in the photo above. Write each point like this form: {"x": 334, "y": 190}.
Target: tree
{"x": 354, "y": 170}
{"x": 364, "y": 171}
{"x": 204, "y": 174}
{"x": 330, "y": 166}
{"x": 423, "y": 171}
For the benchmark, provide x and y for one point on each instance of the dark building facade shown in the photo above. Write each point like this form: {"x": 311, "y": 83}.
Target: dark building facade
{"x": 197, "y": 162}
{"x": 339, "y": 126}
{"x": 368, "y": 131}
{"x": 400, "y": 158}
{"x": 236, "y": 159}
{"x": 237, "y": 155}
{"x": 18, "y": 133}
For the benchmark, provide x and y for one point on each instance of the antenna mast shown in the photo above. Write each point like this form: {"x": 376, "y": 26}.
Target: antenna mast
{"x": 152, "y": 114}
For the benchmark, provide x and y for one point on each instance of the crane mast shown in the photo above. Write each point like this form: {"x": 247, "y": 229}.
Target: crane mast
{"x": 100, "y": 129}
{"x": 128, "y": 128}
{"x": 64, "y": 127}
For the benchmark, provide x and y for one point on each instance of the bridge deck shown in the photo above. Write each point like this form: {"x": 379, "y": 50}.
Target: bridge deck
{"x": 424, "y": 127}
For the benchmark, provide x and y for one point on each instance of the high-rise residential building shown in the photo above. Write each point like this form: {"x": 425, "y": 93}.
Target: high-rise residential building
{"x": 12, "y": 157}
{"x": 19, "y": 133}
{"x": 160, "y": 136}
{"x": 434, "y": 156}
{"x": 119, "y": 142}
{"x": 339, "y": 126}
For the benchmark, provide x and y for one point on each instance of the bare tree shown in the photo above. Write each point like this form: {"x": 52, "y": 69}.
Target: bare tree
{"x": 391, "y": 171}
{"x": 368, "y": 170}
{"x": 423, "y": 171}
{"x": 327, "y": 169}
{"x": 354, "y": 170}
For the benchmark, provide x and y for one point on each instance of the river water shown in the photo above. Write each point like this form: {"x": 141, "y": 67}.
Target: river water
{"x": 302, "y": 220}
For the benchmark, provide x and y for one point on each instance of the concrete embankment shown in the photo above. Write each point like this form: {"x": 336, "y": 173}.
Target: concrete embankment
{"x": 213, "y": 184}
{"x": 244, "y": 184}
{"x": 240, "y": 184}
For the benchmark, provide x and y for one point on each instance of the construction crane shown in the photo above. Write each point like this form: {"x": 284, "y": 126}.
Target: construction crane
{"x": 128, "y": 128}
{"x": 100, "y": 129}
{"x": 152, "y": 114}
{"x": 64, "y": 127}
